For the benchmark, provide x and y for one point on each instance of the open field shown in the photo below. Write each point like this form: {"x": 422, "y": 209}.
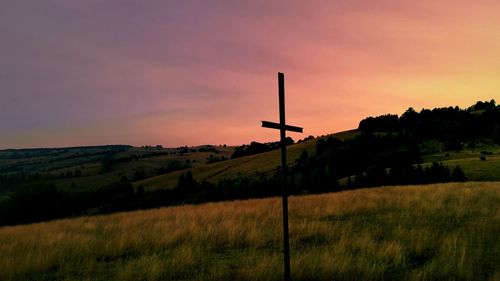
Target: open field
{"x": 433, "y": 232}
{"x": 263, "y": 163}
{"x": 478, "y": 170}
{"x": 469, "y": 160}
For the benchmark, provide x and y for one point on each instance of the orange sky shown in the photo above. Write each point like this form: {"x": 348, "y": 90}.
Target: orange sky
{"x": 198, "y": 72}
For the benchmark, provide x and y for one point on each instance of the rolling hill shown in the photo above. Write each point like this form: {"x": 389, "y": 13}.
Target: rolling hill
{"x": 264, "y": 163}
{"x": 430, "y": 146}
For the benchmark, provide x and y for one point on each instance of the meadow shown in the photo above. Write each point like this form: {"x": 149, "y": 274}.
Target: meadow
{"x": 262, "y": 163}
{"x": 432, "y": 232}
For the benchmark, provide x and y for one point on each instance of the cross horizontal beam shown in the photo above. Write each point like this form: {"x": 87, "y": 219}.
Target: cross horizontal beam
{"x": 272, "y": 125}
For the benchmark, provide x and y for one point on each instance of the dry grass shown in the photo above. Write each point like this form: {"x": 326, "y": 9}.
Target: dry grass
{"x": 434, "y": 232}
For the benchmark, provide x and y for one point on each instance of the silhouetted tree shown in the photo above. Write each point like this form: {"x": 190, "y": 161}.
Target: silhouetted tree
{"x": 186, "y": 181}
{"x": 496, "y": 134}
{"x": 458, "y": 175}
{"x": 139, "y": 174}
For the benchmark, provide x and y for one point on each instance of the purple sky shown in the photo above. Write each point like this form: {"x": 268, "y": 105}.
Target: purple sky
{"x": 193, "y": 72}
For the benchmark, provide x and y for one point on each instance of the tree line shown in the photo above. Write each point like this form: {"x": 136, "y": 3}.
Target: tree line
{"x": 257, "y": 147}
{"x": 452, "y": 126}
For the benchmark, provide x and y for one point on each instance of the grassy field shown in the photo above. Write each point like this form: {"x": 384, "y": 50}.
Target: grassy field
{"x": 469, "y": 160}
{"x": 150, "y": 165}
{"x": 433, "y": 232}
{"x": 263, "y": 163}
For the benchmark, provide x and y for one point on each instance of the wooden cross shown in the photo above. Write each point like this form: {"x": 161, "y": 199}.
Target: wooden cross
{"x": 283, "y": 127}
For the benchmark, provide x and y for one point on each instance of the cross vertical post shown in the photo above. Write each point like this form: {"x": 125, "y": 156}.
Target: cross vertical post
{"x": 284, "y": 191}
{"x": 283, "y": 127}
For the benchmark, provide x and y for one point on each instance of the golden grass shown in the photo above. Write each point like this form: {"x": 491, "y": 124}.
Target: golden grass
{"x": 433, "y": 232}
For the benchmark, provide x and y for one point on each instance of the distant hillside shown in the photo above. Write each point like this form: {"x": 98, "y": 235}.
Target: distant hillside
{"x": 439, "y": 145}
{"x": 265, "y": 163}
{"x": 46, "y": 159}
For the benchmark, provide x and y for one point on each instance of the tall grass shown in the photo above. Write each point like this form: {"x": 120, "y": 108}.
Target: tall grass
{"x": 434, "y": 232}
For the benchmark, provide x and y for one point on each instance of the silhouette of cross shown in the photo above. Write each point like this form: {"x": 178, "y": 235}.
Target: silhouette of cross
{"x": 283, "y": 127}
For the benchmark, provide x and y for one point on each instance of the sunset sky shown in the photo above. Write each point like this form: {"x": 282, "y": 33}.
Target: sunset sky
{"x": 88, "y": 72}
